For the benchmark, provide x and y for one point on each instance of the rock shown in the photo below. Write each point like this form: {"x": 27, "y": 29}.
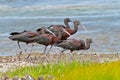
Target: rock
{"x": 41, "y": 78}
{"x": 50, "y": 77}
{"x": 4, "y": 77}
{"x": 28, "y": 77}
{"x": 15, "y": 78}
{"x": 23, "y": 79}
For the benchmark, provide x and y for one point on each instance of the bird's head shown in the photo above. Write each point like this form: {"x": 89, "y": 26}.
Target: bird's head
{"x": 67, "y": 20}
{"x": 41, "y": 30}
{"x": 76, "y": 22}
{"x": 89, "y": 40}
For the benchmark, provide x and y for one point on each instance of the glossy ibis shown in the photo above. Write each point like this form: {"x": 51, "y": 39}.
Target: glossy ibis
{"x": 66, "y": 21}
{"x": 30, "y": 37}
{"x": 25, "y": 36}
{"x": 65, "y": 31}
{"x": 48, "y": 39}
{"x": 73, "y": 44}
{"x": 53, "y": 28}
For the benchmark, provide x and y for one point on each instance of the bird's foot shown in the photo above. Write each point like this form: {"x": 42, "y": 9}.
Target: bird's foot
{"x": 19, "y": 55}
{"x": 47, "y": 58}
{"x": 28, "y": 56}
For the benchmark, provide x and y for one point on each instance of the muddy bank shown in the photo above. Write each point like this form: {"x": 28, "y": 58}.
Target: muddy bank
{"x": 11, "y": 62}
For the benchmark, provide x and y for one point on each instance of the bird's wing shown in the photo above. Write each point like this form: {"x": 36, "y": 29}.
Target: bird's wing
{"x": 82, "y": 42}
{"x": 30, "y": 34}
{"x": 15, "y": 33}
{"x": 56, "y": 26}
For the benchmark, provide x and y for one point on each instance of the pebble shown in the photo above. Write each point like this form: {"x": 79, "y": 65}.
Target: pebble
{"x": 41, "y": 78}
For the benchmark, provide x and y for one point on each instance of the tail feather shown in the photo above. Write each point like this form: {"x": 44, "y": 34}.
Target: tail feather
{"x": 14, "y": 33}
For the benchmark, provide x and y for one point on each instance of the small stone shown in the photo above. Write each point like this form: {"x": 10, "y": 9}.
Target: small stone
{"x": 1, "y": 66}
{"x": 41, "y": 78}
{"x": 49, "y": 77}
{"x": 16, "y": 78}
{"x": 28, "y": 77}
{"x": 23, "y": 79}
{"x": 4, "y": 77}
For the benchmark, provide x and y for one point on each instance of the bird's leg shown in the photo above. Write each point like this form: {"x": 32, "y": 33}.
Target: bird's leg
{"x": 49, "y": 49}
{"x": 19, "y": 55}
{"x": 18, "y": 44}
{"x": 28, "y": 56}
{"x": 61, "y": 54}
{"x": 26, "y": 48}
{"x": 45, "y": 53}
{"x": 71, "y": 56}
{"x": 30, "y": 51}
{"x": 20, "y": 50}
{"x": 31, "y": 48}
{"x": 45, "y": 49}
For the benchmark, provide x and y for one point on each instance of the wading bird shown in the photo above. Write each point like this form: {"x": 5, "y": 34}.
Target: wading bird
{"x": 68, "y": 31}
{"x": 48, "y": 39}
{"x": 73, "y": 44}
{"x": 65, "y": 31}
{"x": 66, "y": 21}
{"x": 25, "y": 36}
{"x": 53, "y": 28}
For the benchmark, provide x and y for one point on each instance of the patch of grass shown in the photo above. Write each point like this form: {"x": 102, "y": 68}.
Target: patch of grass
{"x": 72, "y": 71}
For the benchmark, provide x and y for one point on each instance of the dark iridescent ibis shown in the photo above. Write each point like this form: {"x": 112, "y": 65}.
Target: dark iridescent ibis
{"x": 53, "y": 28}
{"x": 30, "y": 37}
{"x": 65, "y": 31}
{"x": 25, "y": 36}
{"x": 73, "y": 44}
{"x": 47, "y": 39}
{"x": 66, "y": 21}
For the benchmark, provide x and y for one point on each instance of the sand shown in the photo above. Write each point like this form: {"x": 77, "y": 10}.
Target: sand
{"x": 11, "y": 62}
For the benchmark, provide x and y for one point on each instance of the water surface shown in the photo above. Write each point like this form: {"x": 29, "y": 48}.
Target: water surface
{"x": 101, "y": 18}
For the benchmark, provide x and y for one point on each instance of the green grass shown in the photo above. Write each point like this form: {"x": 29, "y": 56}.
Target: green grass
{"x": 72, "y": 71}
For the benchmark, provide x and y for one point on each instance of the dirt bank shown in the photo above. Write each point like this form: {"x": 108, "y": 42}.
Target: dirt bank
{"x": 11, "y": 62}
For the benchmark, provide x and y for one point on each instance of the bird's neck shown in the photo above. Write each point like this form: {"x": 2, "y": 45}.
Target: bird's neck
{"x": 75, "y": 29}
{"x": 66, "y": 24}
{"x": 87, "y": 45}
{"x": 59, "y": 35}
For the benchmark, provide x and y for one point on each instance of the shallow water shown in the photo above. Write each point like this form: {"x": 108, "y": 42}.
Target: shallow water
{"x": 101, "y": 18}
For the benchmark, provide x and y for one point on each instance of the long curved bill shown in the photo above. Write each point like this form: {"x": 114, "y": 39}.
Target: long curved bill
{"x": 82, "y": 26}
{"x": 51, "y": 32}
{"x": 98, "y": 45}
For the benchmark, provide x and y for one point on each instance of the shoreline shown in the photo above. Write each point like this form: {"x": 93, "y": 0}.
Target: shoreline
{"x": 12, "y": 62}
